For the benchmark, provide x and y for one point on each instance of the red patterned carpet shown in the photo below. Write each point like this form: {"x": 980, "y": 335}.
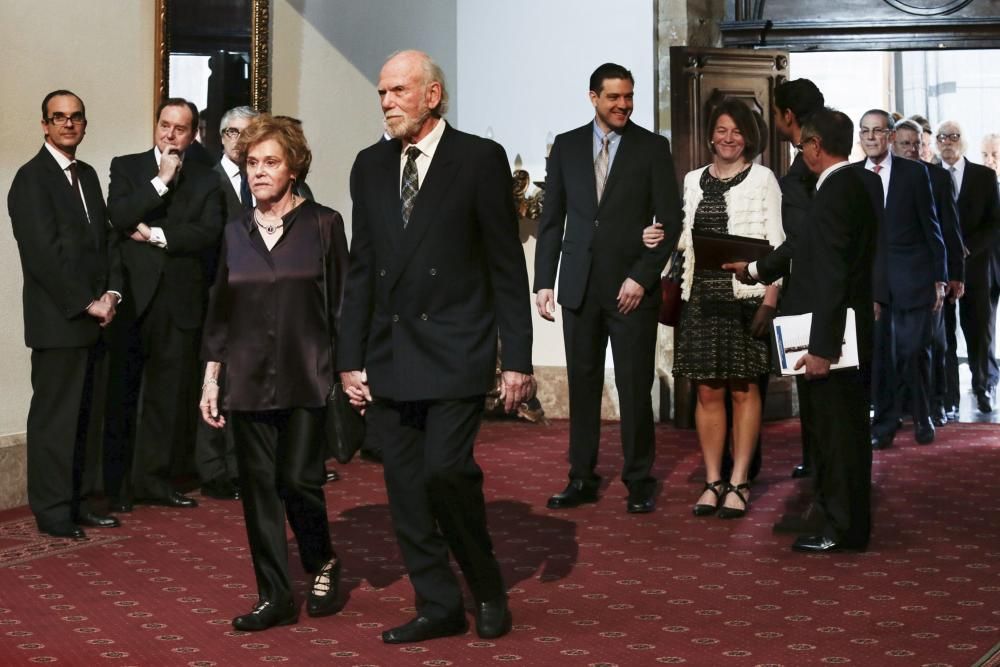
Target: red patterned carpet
{"x": 592, "y": 586}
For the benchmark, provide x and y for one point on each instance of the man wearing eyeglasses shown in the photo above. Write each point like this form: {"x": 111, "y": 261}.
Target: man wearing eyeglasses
{"x": 912, "y": 247}
{"x": 979, "y": 216}
{"x": 72, "y": 287}
{"x": 167, "y": 211}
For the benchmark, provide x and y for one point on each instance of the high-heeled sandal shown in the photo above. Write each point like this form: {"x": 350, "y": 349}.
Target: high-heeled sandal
{"x": 717, "y": 487}
{"x": 323, "y": 596}
{"x": 732, "y": 512}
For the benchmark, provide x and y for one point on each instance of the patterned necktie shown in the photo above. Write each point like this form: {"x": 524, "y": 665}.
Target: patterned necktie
{"x": 601, "y": 168}
{"x": 246, "y": 198}
{"x": 75, "y": 180}
{"x": 411, "y": 184}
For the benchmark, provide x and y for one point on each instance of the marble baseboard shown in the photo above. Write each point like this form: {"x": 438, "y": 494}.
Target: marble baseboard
{"x": 553, "y": 393}
{"x": 13, "y": 470}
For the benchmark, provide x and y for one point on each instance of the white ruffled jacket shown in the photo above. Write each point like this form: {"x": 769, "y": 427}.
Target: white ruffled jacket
{"x": 754, "y": 210}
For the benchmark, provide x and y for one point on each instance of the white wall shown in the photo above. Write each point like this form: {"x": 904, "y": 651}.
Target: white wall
{"x": 523, "y": 70}
{"x": 102, "y": 51}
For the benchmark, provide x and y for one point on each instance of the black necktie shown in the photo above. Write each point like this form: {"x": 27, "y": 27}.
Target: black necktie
{"x": 75, "y": 180}
{"x": 246, "y": 198}
{"x": 411, "y": 184}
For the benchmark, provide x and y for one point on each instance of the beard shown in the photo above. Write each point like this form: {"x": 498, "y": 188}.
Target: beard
{"x": 406, "y": 125}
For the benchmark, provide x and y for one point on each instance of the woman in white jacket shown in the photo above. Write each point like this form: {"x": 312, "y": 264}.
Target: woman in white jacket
{"x": 721, "y": 342}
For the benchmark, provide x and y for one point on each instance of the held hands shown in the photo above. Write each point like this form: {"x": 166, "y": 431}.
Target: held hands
{"x": 629, "y": 296}
{"x": 142, "y": 233}
{"x": 545, "y": 301}
{"x": 817, "y": 368}
{"x": 516, "y": 388}
{"x": 102, "y": 311}
{"x": 653, "y": 235}
{"x": 956, "y": 290}
{"x": 355, "y": 385}
{"x": 170, "y": 164}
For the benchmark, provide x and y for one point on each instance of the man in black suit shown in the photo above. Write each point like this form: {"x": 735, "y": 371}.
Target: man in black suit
{"x": 167, "y": 211}
{"x": 834, "y": 267}
{"x": 979, "y": 216}
{"x": 606, "y": 181}
{"x": 913, "y": 248}
{"x": 214, "y": 449}
{"x": 908, "y": 144}
{"x": 436, "y": 272}
{"x": 72, "y": 285}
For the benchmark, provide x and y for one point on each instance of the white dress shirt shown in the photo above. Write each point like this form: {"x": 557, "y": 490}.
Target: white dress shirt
{"x": 65, "y": 163}
{"x": 883, "y": 173}
{"x": 427, "y": 146}
{"x": 233, "y": 172}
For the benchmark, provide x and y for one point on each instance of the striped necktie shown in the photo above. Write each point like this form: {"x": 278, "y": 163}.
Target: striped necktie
{"x": 601, "y": 168}
{"x": 411, "y": 184}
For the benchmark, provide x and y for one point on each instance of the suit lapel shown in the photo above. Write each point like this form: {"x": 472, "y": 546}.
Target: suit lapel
{"x": 391, "y": 216}
{"x": 622, "y": 153}
{"x": 63, "y": 185}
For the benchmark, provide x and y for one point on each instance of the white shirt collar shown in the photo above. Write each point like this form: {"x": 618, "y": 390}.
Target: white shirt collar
{"x": 959, "y": 167}
{"x": 829, "y": 170}
{"x": 231, "y": 168}
{"x": 429, "y": 144}
{"x": 64, "y": 162}
{"x": 886, "y": 163}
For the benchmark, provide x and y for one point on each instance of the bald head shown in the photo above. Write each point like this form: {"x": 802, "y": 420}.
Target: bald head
{"x": 414, "y": 98}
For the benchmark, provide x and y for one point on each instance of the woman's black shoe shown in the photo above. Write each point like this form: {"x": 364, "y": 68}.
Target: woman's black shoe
{"x": 323, "y": 595}
{"x": 267, "y": 615}
{"x": 732, "y": 512}
{"x": 703, "y": 509}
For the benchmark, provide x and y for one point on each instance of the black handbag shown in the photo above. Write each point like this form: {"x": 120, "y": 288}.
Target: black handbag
{"x": 345, "y": 426}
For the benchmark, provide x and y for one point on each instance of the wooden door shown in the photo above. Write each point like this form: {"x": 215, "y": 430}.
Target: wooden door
{"x": 701, "y": 78}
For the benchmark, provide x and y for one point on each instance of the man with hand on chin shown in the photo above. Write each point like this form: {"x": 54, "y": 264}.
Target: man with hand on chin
{"x": 606, "y": 181}
{"x": 167, "y": 212}
{"x": 72, "y": 285}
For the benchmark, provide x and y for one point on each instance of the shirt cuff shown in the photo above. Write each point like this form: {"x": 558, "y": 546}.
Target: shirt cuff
{"x": 116, "y": 293}
{"x": 160, "y": 186}
{"x": 752, "y": 270}
{"x": 157, "y": 238}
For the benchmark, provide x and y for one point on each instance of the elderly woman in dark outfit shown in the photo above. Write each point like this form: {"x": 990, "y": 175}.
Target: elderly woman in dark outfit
{"x": 271, "y": 329}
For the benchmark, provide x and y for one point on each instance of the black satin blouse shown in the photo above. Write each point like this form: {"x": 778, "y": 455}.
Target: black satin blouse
{"x": 267, "y": 322}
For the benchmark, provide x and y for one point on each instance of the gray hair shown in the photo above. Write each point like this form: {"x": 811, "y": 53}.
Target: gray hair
{"x": 950, "y": 126}
{"x": 236, "y": 112}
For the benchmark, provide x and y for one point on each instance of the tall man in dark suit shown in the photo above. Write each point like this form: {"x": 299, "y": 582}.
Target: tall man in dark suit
{"x": 606, "y": 181}
{"x": 907, "y": 144}
{"x": 913, "y": 248}
{"x": 979, "y": 215}
{"x": 436, "y": 272}
{"x": 831, "y": 270}
{"x": 72, "y": 285}
{"x": 167, "y": 211}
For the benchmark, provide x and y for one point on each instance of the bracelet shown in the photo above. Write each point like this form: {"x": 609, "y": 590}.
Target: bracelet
{"x": 209, "y": 381}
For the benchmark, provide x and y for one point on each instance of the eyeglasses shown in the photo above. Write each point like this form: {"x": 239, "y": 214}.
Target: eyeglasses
{"x": 873, "y": 131}
{"x": 954, "y": 136}
{"x": 61, "y": 118}
{"x": 232, "y": 133}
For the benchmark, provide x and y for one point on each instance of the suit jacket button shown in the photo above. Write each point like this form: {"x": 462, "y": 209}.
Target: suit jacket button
{"x": 382, "y": 273}
{"x": 433, "y": 272}
{"x": 395, "y": 318}
{"x": 423, "y": 316}
{"x": 597, "y": 223}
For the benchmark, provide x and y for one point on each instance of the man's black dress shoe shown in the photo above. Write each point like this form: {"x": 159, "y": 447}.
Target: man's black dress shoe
{"x": 493, "y": 618}
{"x": 220, "y": 489}
{"x": 266, "y": 615}
{"x": 801, "y": 470}
{"x": 62, "y": 529}
{"x": 640, "y": 501}
{"x": 117, "y": 506}
{"x": 882, "y": 441}
{"x": 324, "y": 594}
{"x": 576, "y": 493}
{"x": 95, "y": 520}
{"x": 820, "y": 544}
{"x": 984, "y": 400}
{"x": 173, "y": 499}
{"x": 923, "y": 434}
{"x": 422, "y": 628}
{"x": 332, "y": 475}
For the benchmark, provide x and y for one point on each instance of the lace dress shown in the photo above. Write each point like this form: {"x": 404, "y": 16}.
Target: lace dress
{"x": 713, "y": 338}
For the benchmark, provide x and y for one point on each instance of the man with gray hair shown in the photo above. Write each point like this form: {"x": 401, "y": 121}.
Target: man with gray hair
{"x": 979, "y": 216}
{"x": 234, "y": 180}
{"x": 433, "y": 281}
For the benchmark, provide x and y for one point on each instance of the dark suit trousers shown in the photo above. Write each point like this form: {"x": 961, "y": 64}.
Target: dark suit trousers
{"x": 902, "y": 366}
{"x": 952, "y": 395}
{"x": 837, "y": 407}
{"x": 280, "y": 455}
{"x": 978, "y": 313}
{"x": 633, "y": 342}
{"x": 154, "y": 356}
{"x": 435, "y": 492}
{"x": 939, "y": 394}
{"x": 58, "y": 420}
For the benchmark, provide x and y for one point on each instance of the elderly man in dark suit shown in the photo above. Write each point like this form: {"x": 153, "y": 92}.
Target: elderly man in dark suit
{"x": 436, "y": 273}
{"x": 72, "y": 286}
{"x": 914, "y": 251}
{"x": 167, "y": 211}
{"x": 979, "y": 215}
{"x": 606, "y": 181}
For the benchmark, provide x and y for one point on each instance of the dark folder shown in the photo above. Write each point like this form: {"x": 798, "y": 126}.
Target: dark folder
{"x": 712, "y": 250}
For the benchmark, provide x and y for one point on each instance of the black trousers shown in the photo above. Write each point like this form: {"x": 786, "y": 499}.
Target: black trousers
{"x": 280, "y": 458}
{"x": 902, "y": 366}
{"x": 153, "y": 358}
{"x": 586, "y": 331}
{"x": 837, "y": 409}
{"x": 939, "y": 396}
{"x": 435, "y": 492}
{"x": 58, "y": 421}
{"x": 978, "y": 314}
